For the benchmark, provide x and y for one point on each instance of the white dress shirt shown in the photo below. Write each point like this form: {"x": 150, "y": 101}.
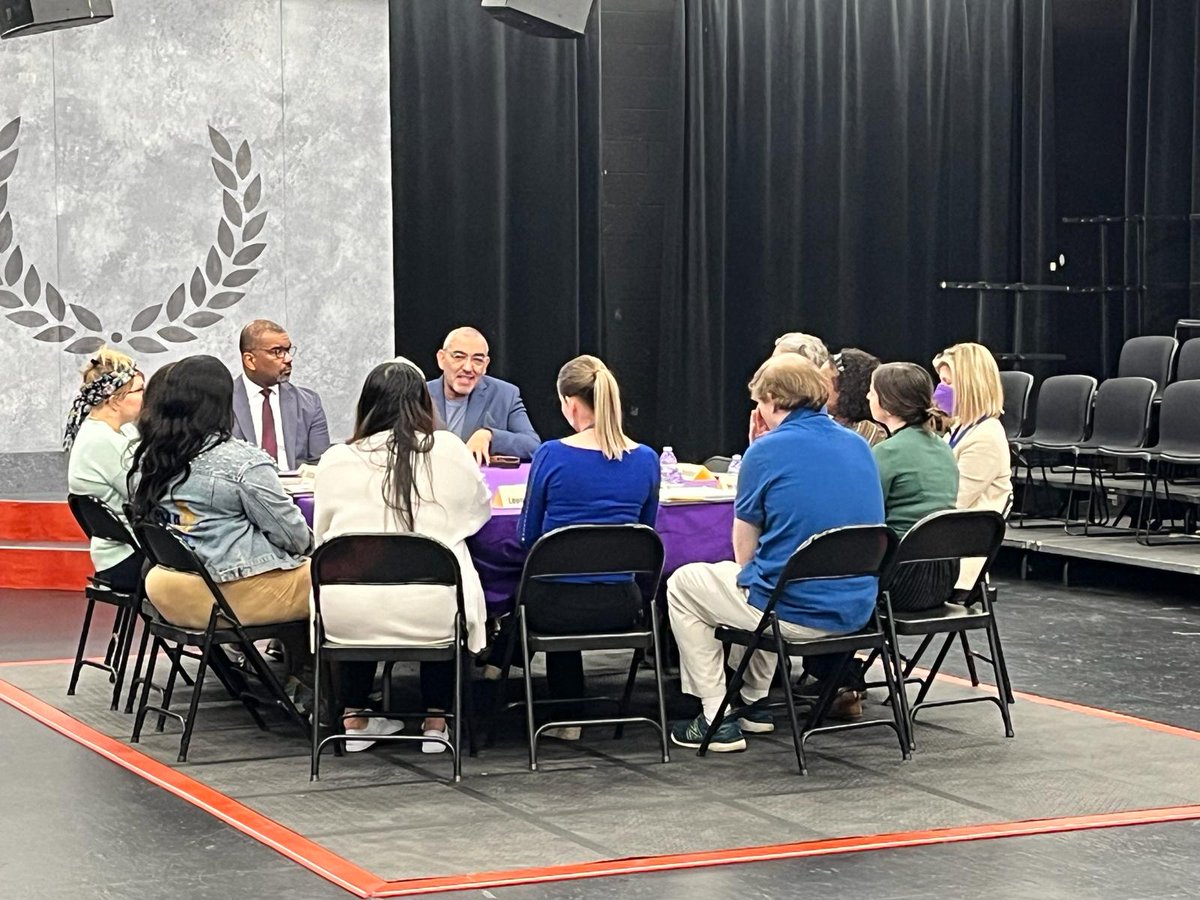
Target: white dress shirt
{"x": 254, "y": 395}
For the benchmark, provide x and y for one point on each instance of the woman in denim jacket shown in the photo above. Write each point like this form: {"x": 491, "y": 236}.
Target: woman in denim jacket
{"x": 224, "y": 496}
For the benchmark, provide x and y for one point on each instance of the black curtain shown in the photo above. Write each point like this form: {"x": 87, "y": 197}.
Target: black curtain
{"x": 836, "y": 159}
{"x": 1162, "y": 172}
{"x": 494, "y": 213}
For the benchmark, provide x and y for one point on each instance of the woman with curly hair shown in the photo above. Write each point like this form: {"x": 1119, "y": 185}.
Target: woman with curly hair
{"x": 852, "y": 369}
{"x": 100, "y": 438}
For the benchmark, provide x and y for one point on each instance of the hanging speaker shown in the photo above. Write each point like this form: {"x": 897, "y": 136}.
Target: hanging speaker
{"x": 545, "y": 18}
{"x": 22, "y": 17}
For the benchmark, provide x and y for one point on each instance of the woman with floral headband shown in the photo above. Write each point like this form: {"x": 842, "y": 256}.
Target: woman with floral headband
{"x": 99, "y": 437}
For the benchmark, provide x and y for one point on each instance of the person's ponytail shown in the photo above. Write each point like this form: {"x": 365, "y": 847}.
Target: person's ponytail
{"x": 609, "y": 432}
{"x": 588, "y": 379}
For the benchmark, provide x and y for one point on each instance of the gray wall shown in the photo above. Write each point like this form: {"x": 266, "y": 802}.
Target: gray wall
{"x": 115, "y": 201}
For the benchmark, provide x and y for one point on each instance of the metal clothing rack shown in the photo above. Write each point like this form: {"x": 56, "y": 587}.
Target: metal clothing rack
{"x": 1132, "y": 290}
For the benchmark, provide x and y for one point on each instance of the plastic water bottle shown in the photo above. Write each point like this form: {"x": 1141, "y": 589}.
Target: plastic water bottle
{"x": 668, "y": 467}
{"x": 735, "y": 464}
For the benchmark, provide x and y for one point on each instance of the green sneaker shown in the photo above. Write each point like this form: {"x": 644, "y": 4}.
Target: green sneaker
{"x": 727, "y": 739}
{"x": 756, "y": 717}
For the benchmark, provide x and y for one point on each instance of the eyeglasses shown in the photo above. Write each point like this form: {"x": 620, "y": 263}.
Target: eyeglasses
{"x": 479, "y": 359}
{"x": 280, "y": 352}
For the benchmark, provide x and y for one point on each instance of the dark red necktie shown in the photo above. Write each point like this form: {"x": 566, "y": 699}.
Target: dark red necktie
{"x": 268, "y": 427}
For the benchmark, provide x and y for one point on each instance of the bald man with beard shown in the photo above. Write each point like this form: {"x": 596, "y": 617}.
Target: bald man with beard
{"x": 487, "y": 413}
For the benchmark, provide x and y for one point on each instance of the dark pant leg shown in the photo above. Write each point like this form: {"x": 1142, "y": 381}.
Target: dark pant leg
{"x": 354, "y": 681}
{"x": 125, "y": 576}
{"x": 437, "y": 684}
{"x": 924, "y": 585}
{"x": 569, "y": 608}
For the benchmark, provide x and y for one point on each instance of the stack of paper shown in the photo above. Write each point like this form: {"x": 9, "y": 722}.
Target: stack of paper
{"x": 696, "y": 494}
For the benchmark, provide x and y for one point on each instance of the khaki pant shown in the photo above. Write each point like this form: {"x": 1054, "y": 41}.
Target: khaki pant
{"x": 701, "y": 596}
{"x": 280, "y": 595}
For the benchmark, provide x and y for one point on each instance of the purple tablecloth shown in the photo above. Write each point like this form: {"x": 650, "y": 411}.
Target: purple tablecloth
{"x": 691, "y": 532}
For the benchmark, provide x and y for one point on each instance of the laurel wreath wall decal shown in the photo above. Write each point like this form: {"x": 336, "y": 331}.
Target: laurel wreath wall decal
{"x": 228, "y": 266}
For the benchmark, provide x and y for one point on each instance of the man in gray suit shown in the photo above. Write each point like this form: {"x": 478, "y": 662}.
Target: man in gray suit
{"x": 485, "y": 412}
{"x": 268, "y": 410}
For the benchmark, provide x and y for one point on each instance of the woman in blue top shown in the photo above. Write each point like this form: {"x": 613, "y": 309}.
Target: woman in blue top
{"x": 597, "y": 476}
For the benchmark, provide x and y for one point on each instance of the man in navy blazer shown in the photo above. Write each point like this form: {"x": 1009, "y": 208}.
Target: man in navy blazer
{"x": 269, "y": 411}
{"x": 485, "y": 412}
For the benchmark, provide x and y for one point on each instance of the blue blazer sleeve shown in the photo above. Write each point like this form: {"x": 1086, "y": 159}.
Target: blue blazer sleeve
{"x": 515, "y": 437}
{"x": 317, "y": 428}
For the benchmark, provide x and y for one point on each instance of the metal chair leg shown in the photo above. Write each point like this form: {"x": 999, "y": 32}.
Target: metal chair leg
{"x": 456, "y": 733}
{"x": 148, "y": 680}
{"x": 169, "y": 690}
{"x": 127, "y": 630}
{"x": 194, "y": 705}
{"x": 797, "y": 732}
{"x": 1001, "y": 678}
{"x": 969, "y": 657}
{"x": 83, "y": 636}
{"x": 663, "y": 726}
{"x": 530, "y": 728}
{"x": 623, "y": 709}
{"x": 137, "y": 667}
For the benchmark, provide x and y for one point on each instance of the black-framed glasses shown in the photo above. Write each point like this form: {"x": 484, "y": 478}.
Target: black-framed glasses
{"x": 280, "y": 352}
{"x": 479, "y": 359}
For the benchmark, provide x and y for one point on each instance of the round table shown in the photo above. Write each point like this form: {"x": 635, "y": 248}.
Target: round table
{"x": 690, "y": 532}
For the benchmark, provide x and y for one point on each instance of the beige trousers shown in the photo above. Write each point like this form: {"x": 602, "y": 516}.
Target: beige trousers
{"x": 280, "y": 595}
{"x": 701, "y": 596}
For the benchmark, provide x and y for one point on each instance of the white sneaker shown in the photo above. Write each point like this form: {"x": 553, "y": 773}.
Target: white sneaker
{"x": 435, "y": 746}
{"x": 376, "y": 726}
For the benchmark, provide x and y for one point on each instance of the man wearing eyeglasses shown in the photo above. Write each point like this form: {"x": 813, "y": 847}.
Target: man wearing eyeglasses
{"x": 269, "y": 411}
{"x": 487, "y": 413}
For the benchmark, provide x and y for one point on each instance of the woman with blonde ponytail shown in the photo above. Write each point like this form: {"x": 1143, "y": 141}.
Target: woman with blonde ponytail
{"x": 597, "y": 476}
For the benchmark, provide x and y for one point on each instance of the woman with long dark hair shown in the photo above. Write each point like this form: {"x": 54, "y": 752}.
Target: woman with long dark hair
{"x": 224, "y": 495}
{"x": 398, "y": 474}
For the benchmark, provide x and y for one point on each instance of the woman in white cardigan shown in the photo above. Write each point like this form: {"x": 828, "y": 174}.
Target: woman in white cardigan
{"x": 978, "y": 440}
{"x": 397, "y": 474}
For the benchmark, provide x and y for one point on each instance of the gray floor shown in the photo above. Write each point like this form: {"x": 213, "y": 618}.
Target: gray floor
{"x": 1067, "y": 653}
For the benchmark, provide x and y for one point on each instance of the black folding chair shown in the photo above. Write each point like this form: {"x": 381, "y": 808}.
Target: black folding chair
{"x": 955, "y": 534}
{"x": 1178, "y": 447}
{"x": 1016, "y": 388}
{"x": 593, "y": 550}
{"x": 718, "y": 465}
{"x": 857, "y": 550}
{"x": 165, "y": 548}
{"x": 1062, "y": 420}
{"x": 99, "y": 521}
{"x": 390, "y": 560}
{"x": 1149, "y": 356}
{"x": 1120, "y": 423}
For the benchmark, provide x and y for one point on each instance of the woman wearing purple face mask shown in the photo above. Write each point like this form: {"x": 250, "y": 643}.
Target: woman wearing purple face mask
{"x": 943, "y": 392}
